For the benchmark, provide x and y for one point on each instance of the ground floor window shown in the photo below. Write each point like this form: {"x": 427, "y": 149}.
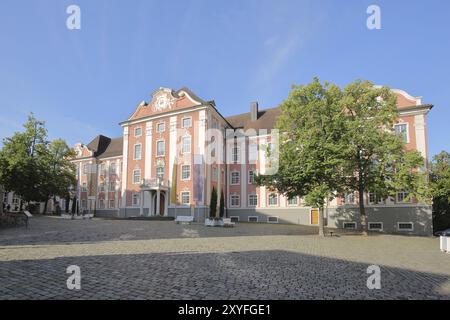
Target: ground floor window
{"x": 136, "y": 199}
{"x": 402, "y": 196}
{"x": 272, "y": 219}
{"x": 253, "y": 219}
{"x": 101, "y": 204}
{"x": 253, "y": 200}
{"x": 273, "y": 199}
{"x": 235, "y": 200}
{"x": 185, "y": 197}
{"x": 350, "y": 225}
{"x": 293, "y": 201}
{"x": 234, "y": 218}
{"x": 112, "y": 204}
{"x": 405, "y": 226}
{"x": 83, "y": 204}
{"x": 375, "y": 226}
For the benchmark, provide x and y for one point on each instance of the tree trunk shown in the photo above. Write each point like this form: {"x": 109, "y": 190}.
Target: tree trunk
{"x": 362, "y": 212}
{"x": 45, "y": 207}
{"x": 321, "y": 226}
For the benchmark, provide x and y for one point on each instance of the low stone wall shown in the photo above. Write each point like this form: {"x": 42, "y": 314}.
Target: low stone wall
{"x": 419, "y": 216}
{"x": 290, "y": 216}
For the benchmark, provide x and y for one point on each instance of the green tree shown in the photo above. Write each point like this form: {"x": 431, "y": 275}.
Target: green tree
{"x": 61, "y": 171}
{"x": 34, "y": 168}
{"x": 311, "y": 146}
{"x": 376, "y": 160}
{"x": 213, "y": 203}
{"x": 21, "y": 167}
{"x": 222, "y": 205}
{"x": 440, "y": 190}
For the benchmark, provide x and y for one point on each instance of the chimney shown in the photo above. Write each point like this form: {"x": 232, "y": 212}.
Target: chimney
{"x": 254, "y": 111}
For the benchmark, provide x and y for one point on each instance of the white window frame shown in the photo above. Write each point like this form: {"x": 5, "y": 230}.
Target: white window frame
{"x": 407, "y": 129}
{"x": 238, "y": 178}
{"x": 268, "y": 199}
{"x": 292, "y": 204}
{"x": 235, "y": 154}
{"x": 137, "y": 197}
{"x": 163, "y": 124}
{"x": 347, "y": 223}
{"x": 140, "y": 131}
{"x": 404, "y": 197}
{"x": 249, "y": 217}
{"x": 235, "y": 196}
{"x": 83, "y": 204}
{"x": 374, "y": 229}
{"x": 234, "y": 217}
{"x": 84, "y": 187}
{"x": 101, "y": 203}
{"x": 190, "y": 122}
{"x": 140, "y": 151}
{"x": 249, "y": 202}
{"x": 113, "y": 184}
{"x": 134, "y": 176}
{"x": 164, "y": 148}
{"x": 101, "y": 187}
{"x": 406, "y": 222}
{"x": 183, "y": 151}
{"x": 268, "y": 219}
{"x": 189, "y": 175}
{"x": 111, "y": 166}
{"x": 189, "y": 197}
{"x": 113, "y": 202}
{"x": 249, "y": 176}
{"x": 253, "y": 152}
{"x": 163, "y": 171}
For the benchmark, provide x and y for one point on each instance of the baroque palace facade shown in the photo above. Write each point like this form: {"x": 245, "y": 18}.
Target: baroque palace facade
{"x": 176, "y": 148}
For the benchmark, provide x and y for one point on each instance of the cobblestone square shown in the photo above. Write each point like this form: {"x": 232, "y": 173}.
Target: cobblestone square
{"x": 122, "y": 259}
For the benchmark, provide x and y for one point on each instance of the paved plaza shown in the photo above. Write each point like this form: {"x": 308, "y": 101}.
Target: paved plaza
{"x": 123, "y": 259}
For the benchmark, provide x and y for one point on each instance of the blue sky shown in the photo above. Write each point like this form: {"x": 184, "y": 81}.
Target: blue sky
{"x": 83, "y": 82}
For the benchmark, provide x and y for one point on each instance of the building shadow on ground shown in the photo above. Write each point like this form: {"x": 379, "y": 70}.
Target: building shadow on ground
{"x": 252, "y": 275}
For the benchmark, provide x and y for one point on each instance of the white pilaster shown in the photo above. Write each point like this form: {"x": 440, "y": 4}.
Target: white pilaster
{"x": 419, "y": 125}
{"x": 158, "y": 198}
{"x": 172, "y": 147}
{"x": 262, "y": 170}
{"x": 124, "y": 167}
{"x": 148, "y": 149}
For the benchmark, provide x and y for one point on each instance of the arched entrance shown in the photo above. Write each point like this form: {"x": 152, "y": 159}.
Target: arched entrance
{"x": 162, "y": 204}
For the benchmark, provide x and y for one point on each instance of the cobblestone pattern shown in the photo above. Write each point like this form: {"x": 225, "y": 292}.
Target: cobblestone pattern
{"x": 162, "y": 260}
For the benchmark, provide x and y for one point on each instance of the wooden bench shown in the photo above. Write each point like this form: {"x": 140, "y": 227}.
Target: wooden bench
{"x": 227, "y": 223}
{"x": 184, "y": 219}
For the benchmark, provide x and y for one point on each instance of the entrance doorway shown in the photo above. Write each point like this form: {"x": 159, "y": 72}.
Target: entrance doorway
{"x": 162, "y": 204}
{"x": 315, "y": 216}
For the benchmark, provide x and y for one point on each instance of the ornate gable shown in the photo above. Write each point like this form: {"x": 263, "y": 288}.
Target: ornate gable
{"x": 164, "y": 100}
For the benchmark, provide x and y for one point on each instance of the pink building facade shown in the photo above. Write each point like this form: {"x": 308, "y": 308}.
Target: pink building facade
{"x": 177, "y": 147}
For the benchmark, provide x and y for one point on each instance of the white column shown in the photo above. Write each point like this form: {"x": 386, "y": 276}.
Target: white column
{"x": 148, "y": 150}
{"x": 243, "y": 147}
{"x": 166, "y": 204}
{"x": 201, "y": 151}
{"x": 124, "y": 167}
{"x": 262, "y": 170}
{"x": 158, "y": 198}
{"x": 141, "y": 202}
{"x": 419, "y": 126}
{"x": 172, "y": 146}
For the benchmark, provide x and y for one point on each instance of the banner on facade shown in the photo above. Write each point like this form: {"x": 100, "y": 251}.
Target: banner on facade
{"x": 199, "y": 178}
